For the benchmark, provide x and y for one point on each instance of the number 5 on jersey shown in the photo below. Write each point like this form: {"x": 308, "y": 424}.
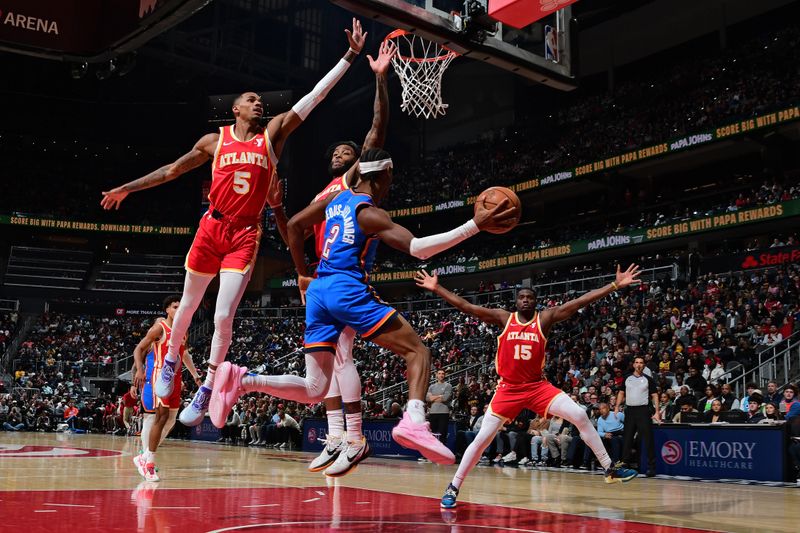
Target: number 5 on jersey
{"x": 326, "y": 248}
{"x": 522, "y": 351}
{"x": 241, "y": 182}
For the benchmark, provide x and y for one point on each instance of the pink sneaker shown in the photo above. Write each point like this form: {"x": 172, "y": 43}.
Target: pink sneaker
{"x": 419, "y": 437}
{"x": 227, "y": 389}
{"x": 139, "y": 462}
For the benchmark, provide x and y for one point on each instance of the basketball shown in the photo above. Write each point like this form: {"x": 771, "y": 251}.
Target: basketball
{"x": 493, "y": 196}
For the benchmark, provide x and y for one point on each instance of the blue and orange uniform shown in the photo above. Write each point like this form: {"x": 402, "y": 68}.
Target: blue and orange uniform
{"x": 520, "y": 363}
{"x": 154, "y": 362}
{"x": 341, "y": 295}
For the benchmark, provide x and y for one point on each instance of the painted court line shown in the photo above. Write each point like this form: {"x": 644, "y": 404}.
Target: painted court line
{"x": 310, "y": 500}
{"x": 67, "y": 505}
{"x": 174, "y": 508}
{"x": 45, "y": 511}
{"x": 261, "y": 505}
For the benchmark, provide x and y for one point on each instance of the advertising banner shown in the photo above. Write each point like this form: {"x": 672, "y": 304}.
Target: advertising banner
{"x": 205, "y": 431}
{"x": 377, "y": 431}
{"x": 754, "y": 259}
{"x": 711, "y": 452}
{"x": 74, "y": 225}
{"x": 738, "y": 127}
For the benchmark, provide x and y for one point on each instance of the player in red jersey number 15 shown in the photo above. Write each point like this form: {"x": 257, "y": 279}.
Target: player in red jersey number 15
{"x": 520, "y": 363}
{"x": 244, "y": 156}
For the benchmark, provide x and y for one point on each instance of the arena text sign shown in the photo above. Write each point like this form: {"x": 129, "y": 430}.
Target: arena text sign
{"x": 682, "y": 143}
{"x": 74, "y": 225}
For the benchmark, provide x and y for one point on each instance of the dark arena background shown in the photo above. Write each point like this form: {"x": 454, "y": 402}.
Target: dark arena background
{"x": 658, "y": 133}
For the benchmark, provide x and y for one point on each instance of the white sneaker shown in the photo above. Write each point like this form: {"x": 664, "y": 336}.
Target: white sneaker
{"x": 139, "y": 462}
{"x": 348, "y": 459}
{"x": 194, "y": 414}
{"x": 511, "y": 456}
{"x": 523, "y": 461}
{"x": 333, "y": 447}
{"x": 165, "y": 381}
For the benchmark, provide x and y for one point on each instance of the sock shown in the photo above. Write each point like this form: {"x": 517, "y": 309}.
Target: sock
{"x": 335, "y": 422}
{"x": 150, "y": 457}
{"x": 416, "y": 410}
{"x": 353, "y": 427}
{"x": 171, "y": 361}
{"x": 209, "y": 382}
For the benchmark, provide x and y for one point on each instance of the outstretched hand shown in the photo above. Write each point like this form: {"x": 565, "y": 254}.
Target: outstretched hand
{"x": 629, "y": 277}
{"x": 426, "y": 281}
{"x": 357, "y": 37}
{"x": 112, "y": 199}
{"x": 500, "y": 216}
{"x": 381, "y": 65}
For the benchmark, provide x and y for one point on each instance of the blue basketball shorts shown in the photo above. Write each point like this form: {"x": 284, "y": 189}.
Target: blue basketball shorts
{"x": 339, "y": 300}
{"x": 148, "y": 392}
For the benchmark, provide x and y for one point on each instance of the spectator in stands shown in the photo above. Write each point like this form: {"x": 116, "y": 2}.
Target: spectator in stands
{"x": 696, "y": 382}
{"x": 729, "y": 401}
{"x": 396, "y": 411}
{"x": 610, "y": 428}
{"x": 773, "y": 336}
{"x": 685, "y": 408}
{"x": 713, "y": 414}
{"x": 14, "y": 420}
{"x": 771, "y": 412}
{"x": 71, "y": 414}
{"x": 539, "y": 451}
{"x": 712, "y": 393}
{"x": 744, "y": 403}
{"x": 773, "y": 396}
{"x": 465, "y": 436}
{"x": 789, "y": 398}
{"x": 754, "y": 414}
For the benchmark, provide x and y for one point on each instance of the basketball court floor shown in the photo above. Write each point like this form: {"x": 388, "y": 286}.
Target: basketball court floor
{"x": 84, "y": 483}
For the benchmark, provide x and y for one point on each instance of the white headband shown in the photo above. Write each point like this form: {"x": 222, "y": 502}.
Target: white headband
{"x": 374, "y": 166}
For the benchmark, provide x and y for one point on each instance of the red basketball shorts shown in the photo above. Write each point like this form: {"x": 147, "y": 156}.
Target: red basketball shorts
{"x": 223, "y": 246}
{"x": 509, "y": 399}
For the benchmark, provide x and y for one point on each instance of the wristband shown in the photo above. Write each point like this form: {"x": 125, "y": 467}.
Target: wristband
{"x": 614, "y": 285}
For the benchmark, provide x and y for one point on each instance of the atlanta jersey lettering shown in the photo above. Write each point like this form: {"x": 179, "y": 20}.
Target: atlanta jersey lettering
{"x": 241, "y": 173}
{"x": 336, "y": 185}
{"x": 520, "y": 351}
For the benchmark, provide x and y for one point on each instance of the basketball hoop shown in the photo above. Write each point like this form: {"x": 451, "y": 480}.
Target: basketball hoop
{"x": 420, "y": 63}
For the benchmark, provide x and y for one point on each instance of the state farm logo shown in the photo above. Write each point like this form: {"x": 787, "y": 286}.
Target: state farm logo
{"x": 312, "y": 435}
{"x": 750, "y": 262}
{"x": 671, "y": 452}
{"x": 772, "y": 259}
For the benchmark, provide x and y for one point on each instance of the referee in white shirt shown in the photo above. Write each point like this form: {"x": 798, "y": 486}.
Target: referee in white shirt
{"x": 639, "y": 389}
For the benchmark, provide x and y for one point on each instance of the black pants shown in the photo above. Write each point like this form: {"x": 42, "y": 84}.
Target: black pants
{"x": 639, "y": 424}
{"x": 439, "y": 423}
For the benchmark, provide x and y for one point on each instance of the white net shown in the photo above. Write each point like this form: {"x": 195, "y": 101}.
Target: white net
{"x": 420, "y": 64}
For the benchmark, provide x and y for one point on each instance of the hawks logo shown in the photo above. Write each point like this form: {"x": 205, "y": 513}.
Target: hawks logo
{"x": 22, "y": 450}
{"x": 312, "y": 435}
{"x": 671, "y": 452}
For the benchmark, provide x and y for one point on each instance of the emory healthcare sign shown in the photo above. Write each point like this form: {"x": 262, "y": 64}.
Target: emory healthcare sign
{"x": 721, "y": 452}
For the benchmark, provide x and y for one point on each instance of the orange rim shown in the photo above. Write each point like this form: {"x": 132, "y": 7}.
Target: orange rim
{"x": 400, "y": 32}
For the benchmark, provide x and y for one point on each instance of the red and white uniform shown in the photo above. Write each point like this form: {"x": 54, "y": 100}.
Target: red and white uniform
{"x": 159, "y": 353}
{"x": 229, "y": 233}
{"x": 336, "y": 185}
{"x": 520, "y": 360}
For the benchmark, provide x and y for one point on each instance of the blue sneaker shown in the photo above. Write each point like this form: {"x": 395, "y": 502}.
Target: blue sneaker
{"x": 194, "y": 414}
{"x": 620, "y": 475}
{"x": 166, "y": 380}
{"x": 449, "y": 498}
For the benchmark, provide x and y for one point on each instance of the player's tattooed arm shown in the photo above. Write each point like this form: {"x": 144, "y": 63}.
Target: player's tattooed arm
{"x": 562, "y": 312}
{"x": 376, "y": 137}
{"x": 498, "y": 317}
{"x": 153, "y": 334}
{"x": 201, "y": 152}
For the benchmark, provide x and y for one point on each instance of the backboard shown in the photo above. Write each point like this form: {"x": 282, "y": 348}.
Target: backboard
{"x": 542, "y": 51}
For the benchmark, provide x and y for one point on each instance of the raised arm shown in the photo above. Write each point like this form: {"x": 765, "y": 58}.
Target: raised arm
{"x": 202, "y": 151}
{"x": 562, "y": 312}
{"x": 153, "y": 334}
{"x": 498, "y": 317}
{"x": 281, "y": 126}
{"x": 376, "y": 137}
